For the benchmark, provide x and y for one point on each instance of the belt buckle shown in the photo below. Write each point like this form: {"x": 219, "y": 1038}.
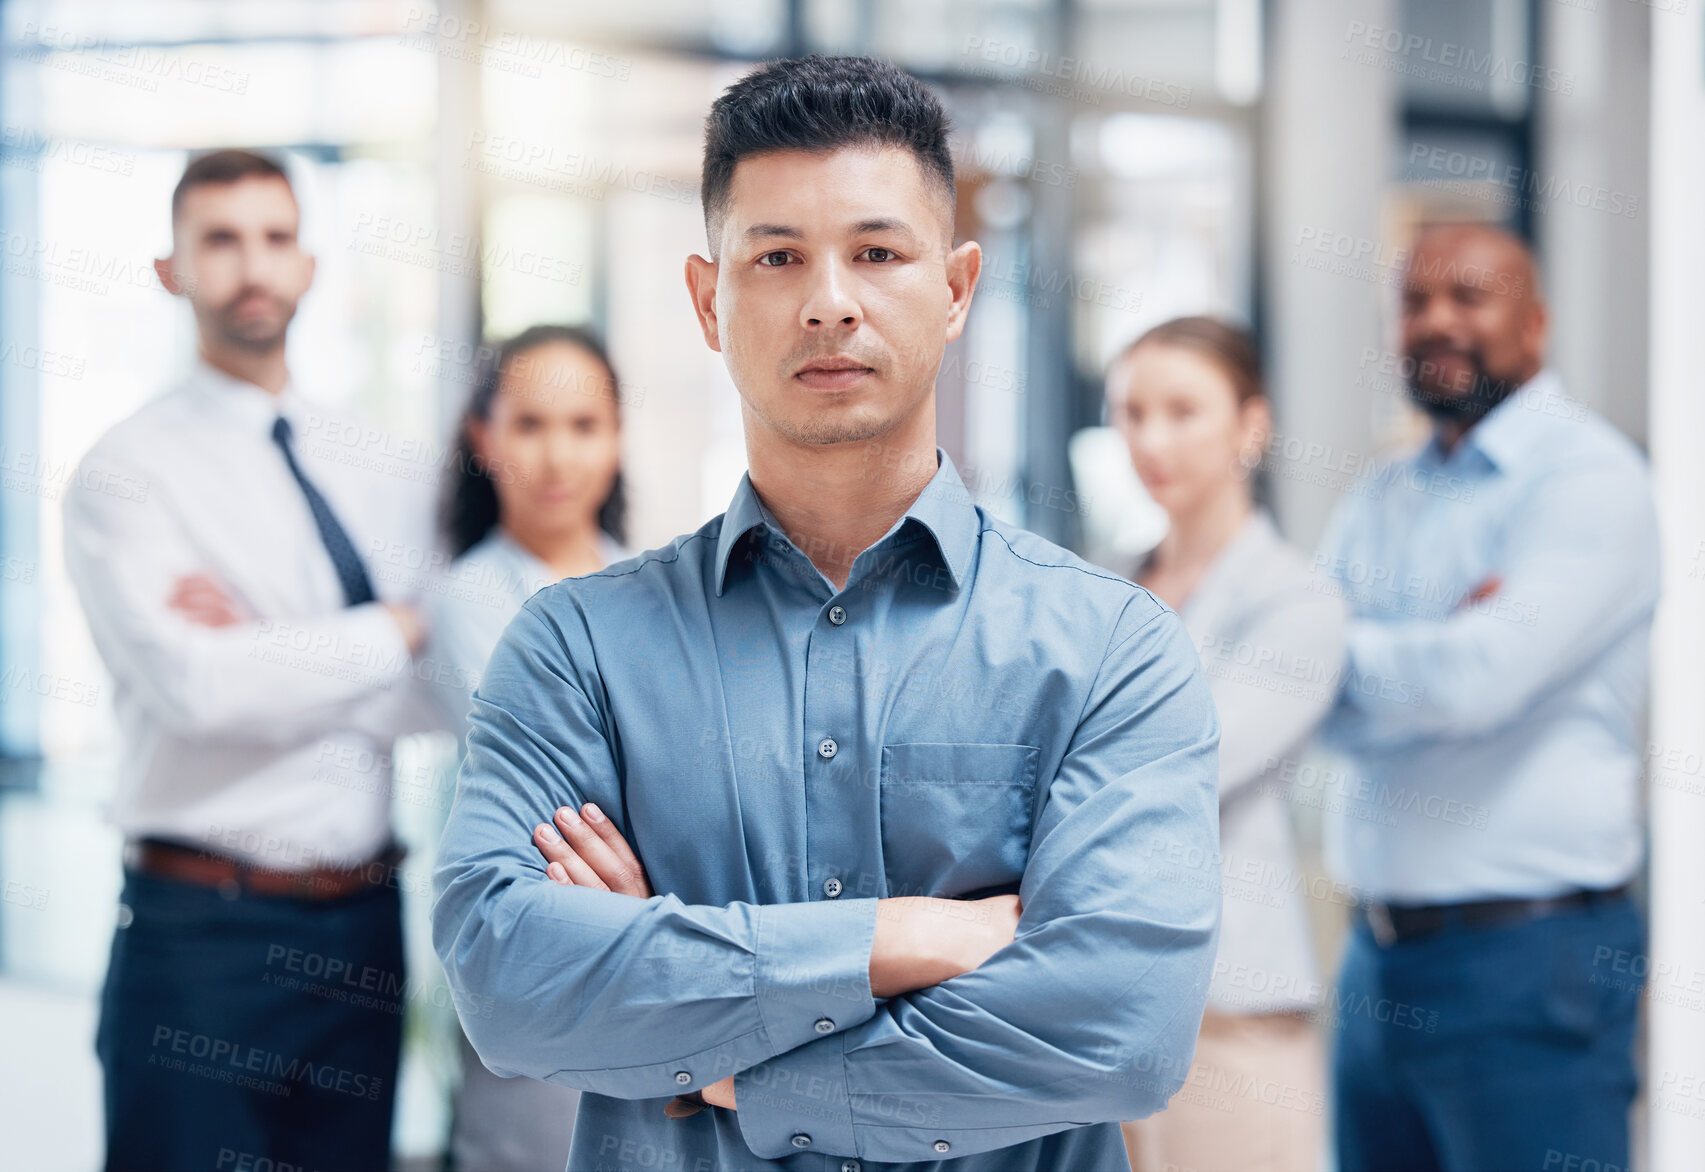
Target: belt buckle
{"x": 1379, "y": 919}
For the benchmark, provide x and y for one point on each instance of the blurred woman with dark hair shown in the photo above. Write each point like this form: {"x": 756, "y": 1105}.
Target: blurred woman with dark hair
{"x": 1187, "y": 397}
{"x": 535, "y": 496}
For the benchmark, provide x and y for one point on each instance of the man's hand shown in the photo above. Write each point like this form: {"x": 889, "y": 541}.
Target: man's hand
{"x": 1483, "y": 591}
{"x": 588, "y": 851}
{"x": 203, "y": 601}
{"x": 409, "y": 622}
{"x": 720, "y": 1093}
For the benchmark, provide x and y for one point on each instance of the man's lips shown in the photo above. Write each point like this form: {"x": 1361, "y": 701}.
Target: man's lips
{"x": 833, "y": 375}
{"x": 1435, "y": 354}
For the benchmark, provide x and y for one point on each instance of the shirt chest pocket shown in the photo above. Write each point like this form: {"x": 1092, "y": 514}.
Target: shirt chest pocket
{"x": 956, "y": 817}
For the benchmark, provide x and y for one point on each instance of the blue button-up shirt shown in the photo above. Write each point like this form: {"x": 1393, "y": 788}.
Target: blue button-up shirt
{"x": 978, "y": 712}
{"x": 1495, "y": 745}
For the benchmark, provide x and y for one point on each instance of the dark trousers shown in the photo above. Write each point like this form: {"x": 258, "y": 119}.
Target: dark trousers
{"x": 249, "y": 1031}
{"x": 1505, "y": 1047}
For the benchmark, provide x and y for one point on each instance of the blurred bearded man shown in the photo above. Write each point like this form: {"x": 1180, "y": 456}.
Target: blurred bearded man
{"x": 1502, "y": 581}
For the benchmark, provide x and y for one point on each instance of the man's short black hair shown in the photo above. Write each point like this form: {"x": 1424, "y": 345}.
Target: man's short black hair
{"x": 820, "y": 103}
{"x": 225, "y": 166}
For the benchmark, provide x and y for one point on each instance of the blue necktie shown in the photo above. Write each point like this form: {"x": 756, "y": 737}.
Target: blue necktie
{"x": 357, "y": 589}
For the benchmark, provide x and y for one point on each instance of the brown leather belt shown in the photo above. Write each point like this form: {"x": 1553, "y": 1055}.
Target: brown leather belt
{"x": 232, "y": 876}
{"x": 1393, "y": 922}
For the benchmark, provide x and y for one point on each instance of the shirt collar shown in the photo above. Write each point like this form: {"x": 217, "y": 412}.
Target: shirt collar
{"x": 943, "y": 510}
{"x": 243, "y": 404}
{"x": 1511, "y": 428}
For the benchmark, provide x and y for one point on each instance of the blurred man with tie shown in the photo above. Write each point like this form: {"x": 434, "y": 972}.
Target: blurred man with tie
{"x": 252, "y": 1007}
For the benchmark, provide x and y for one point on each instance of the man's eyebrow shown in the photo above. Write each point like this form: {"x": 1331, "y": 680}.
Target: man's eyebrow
{"x": 862, "y": 228}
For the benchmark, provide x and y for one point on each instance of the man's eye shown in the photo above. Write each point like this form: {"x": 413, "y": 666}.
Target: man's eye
{"x": 887, "y": 253}
{"x": 769, "y": 256}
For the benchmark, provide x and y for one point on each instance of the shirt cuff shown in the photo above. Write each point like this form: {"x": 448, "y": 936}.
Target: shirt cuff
{"x": 813, "y": 969}
{"x": 797, "y": 1103}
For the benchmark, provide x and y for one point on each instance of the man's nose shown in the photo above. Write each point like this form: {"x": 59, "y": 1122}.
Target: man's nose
{"x": 257, "y": 264}
{"x": 1434, "y": 321}
{"x": 830, "y": 300}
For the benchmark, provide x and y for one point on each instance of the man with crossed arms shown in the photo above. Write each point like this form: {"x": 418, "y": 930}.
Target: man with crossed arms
{"x": 893, "y": 766}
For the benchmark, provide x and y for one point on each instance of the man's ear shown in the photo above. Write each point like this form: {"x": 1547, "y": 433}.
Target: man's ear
{"x": 170, "y": 279}
{"x": 701, "y": 277}
{"x": 963, "y": 265}
{"x": 1537, "y": 327}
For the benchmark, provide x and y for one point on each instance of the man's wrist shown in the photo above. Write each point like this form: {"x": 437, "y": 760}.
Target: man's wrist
{"x": 720, "y": 1093}
{"x": 916, "y": 945}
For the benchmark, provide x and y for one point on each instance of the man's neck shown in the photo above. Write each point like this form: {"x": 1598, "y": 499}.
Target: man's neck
{"x": 264, "y": 368}
{"x": 835, "y": 501}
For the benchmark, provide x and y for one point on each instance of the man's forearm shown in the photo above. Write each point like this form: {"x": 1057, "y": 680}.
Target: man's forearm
{"x": 922, "y": 941}
{"x": 918, "y": 940}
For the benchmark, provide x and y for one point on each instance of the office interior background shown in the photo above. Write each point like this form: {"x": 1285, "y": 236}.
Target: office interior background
{"x": 471, "y": 167}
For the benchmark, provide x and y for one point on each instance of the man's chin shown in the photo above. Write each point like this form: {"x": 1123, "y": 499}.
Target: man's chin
{"x": 256, "y": 339}
{"x": 1458, "y": 406}
{"x": 823, "y": 433}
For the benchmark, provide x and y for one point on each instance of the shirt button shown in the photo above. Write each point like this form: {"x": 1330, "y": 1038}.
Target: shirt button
{"x": 941, "y": 1145}
{"x": 832, "y": 887}
{"x": 827, "y": 748}
{"x": 850, "y": 1166}
{"x": 683, "y": 1077}
{"x": 837, "y": 615}
{"x": 824, "y": 1025}
{"x": 802, "y": 1140}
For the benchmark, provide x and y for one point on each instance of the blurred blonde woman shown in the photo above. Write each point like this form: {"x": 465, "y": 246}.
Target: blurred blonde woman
{"x": 1188, "y": 399}
{"x": 537, "y": 497}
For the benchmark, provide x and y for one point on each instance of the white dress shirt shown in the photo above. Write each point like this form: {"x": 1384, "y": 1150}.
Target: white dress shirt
{"x": 269, "y": 738}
